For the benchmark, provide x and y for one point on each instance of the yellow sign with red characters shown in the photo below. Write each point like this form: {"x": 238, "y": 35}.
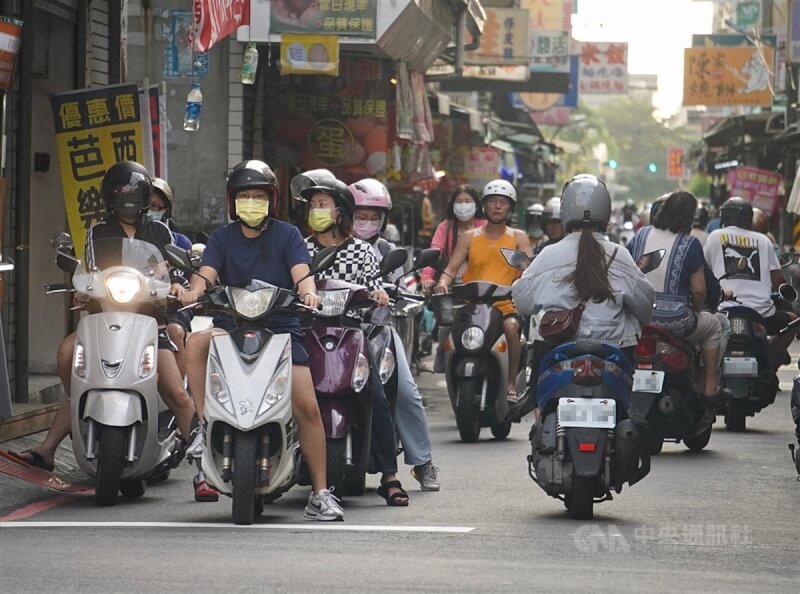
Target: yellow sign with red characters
{"x": 727, "y": 76}
{"x": 95, "y": 128}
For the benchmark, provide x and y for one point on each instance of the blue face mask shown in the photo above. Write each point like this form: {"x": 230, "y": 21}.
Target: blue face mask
{"x": 155, "y": 215}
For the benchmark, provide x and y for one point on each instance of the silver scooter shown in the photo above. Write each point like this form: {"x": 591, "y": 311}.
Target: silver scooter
{"x": 114, "y": 395}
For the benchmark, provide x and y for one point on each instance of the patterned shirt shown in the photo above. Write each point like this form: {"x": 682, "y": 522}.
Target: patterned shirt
{"x": 355, "y": 263}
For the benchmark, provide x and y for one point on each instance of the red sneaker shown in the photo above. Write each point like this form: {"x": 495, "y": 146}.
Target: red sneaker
{"x": 203, "y": 491}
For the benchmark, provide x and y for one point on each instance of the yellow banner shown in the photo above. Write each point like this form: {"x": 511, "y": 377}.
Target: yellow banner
{"x": 727, "y": 76}
{"x": 94, "y": 129}
{"x": 309, "y": 54}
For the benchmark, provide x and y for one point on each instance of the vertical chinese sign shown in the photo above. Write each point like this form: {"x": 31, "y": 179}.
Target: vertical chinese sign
{"x": 349, "y": 18}
{"x": 675, "y": 168}
{"x": 94, "y": 129}
{"x": 10, "y": 35}
{"x": 603, "y": 69}
{"x": 549, "y": 27}
{"x": 727, "y": 76}
{"x": 503, "y": 50}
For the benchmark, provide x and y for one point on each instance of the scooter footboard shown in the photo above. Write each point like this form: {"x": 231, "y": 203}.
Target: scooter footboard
{"x": 587, "y": 449}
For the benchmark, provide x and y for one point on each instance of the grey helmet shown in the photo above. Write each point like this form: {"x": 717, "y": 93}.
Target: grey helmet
{"x": 585, "y": 202}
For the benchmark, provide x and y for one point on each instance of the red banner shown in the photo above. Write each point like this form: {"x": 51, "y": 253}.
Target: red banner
{"x": 216, "y": 19}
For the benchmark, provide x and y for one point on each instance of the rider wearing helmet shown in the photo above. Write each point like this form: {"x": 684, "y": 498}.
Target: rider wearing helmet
{"x": 551, "y": 220}
{"x": 533, "y": 224}
{"x": 617, "y": 297}
{"x": 753, "y": 284}
{"x": 126, "y": 190}
{"x": 330, "y": 217}
{"x": 162, "y": 202}
{"x": 699, "y": 224}
{"x": 257, "y": 247}
{"x": 372, "y": 205}
{"x": 480, "y": 249}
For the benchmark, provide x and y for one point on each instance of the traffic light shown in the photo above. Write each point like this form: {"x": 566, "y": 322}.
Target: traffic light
{"x": 612, "y": 164}
{"x": 652, "y": 168}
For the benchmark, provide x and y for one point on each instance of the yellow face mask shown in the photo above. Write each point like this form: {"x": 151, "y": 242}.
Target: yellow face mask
{"x": 321, "y": 219}
{"x": 252, "y": 212}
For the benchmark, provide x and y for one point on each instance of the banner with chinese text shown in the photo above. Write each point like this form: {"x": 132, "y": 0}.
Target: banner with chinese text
{"x": 504, "y": 40}
{"x": 95, "y": 128}
{"x": 348, "y": 18}
{"x": 10, "y": 36}
{"x": 727, "y": 76}
{"x": 309, "y": 54}
{"x": 549, "y": 25}
{"x": 759, "y": 186}
{"x": 675, "y": 167}
{"x": 603, "y": 68}
{"x": 158, "y": 118}
{"x": 216, "y": 19}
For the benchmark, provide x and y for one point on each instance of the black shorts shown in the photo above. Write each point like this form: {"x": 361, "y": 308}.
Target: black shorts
{"x": 181, "y": 318}
{"x": 164, "y": 341}
{"x": 776, "y": 322}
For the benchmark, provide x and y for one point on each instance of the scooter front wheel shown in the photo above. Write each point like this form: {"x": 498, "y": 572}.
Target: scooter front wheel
{"x": 468, "y": 412}
{"x": 501, "y": 430}
{"x": 336, "y": 452}
{"x": 110, "y": 462}
{"x": 244, "y": 477}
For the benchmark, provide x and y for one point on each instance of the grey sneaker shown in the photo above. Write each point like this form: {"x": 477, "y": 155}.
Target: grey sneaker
{"x": 427, "y": 475}
{"x": 324, "y": 507}
{"x": 198, "y": 445}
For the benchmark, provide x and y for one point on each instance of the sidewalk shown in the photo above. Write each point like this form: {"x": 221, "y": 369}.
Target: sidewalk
{"x": 44, "y": 395}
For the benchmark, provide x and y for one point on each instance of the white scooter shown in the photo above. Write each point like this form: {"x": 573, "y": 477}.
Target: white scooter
{"x": 114, "y": 396}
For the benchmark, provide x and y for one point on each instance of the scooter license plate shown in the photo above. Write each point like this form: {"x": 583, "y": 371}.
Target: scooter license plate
{"x": 741, "y": 366}
{"x": 596, "y": 413}
{"x": 645, "y": 380}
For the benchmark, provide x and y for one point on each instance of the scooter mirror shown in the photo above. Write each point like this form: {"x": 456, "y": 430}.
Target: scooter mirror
{"x": 179, "y": 258}
{"x": 428, "y": 257}
{"x": 393, "y": 260}
{"x": 66, "y": 262}
{"x": 651, "y": 261}
{"x": 516, "y": 258}
{"x": 62, "y": 242}
{"x": 787, "y": 292}
{"x": 324, "y": 259}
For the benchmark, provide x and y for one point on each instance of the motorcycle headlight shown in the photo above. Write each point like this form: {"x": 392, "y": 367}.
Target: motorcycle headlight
{"x": 251, "y": 305}
{"x": 217, "y": 387}
{"x": 122, "y": 287}
{"x": 277, "y": 388}
{"x": 472, "y": 338}
{"x": 360, "y": 373}
{"x": 386, "y": 368}
{"x": 333, "y": 302}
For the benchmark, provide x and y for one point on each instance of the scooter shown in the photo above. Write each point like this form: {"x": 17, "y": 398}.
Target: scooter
{"x": 114, "y": 400}
{"x": 252, "y": 447}
{"x": 476, "y": 362}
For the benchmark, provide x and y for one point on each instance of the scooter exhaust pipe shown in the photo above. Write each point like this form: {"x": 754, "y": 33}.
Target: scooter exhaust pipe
{"x": 263, "y": 460}
{"x": 91, "y": 436}
{"x": 666, "y": 404}
{"x": 227, "y": 454}
{"x": 132, "y": 444}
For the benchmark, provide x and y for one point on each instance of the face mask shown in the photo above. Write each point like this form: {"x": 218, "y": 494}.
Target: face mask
{"x": 128, "y": 214}
{"x": 536, "y": 232}
{"x": 155, "y": 215}
{"x": 252, "y": 212}
{"x": 320, "y": 219}
{"x": 464, "y": 211}
{"x": 366, "y": 230}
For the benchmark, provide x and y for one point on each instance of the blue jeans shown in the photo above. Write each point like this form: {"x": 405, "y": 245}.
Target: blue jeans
{"x": 412, "y": 423}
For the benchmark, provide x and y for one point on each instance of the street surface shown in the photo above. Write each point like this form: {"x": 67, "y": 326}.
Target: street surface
{"x": 724, "y": 520}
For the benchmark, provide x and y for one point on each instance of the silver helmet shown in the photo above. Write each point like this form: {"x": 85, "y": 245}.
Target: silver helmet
{"x": 585, "y": 202}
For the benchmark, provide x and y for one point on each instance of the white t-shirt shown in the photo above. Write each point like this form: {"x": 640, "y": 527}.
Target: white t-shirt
{"x": 752, "y": 285}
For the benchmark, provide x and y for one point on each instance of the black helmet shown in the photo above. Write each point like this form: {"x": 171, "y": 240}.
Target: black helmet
{"x": 335, "y": 188}
{"x": 251, "y": 174}
{"x": 701, "y": 217}
{"x": 585, "y": 202}
{"x": 737, "y": 212}
{"x": 126, "y": 188}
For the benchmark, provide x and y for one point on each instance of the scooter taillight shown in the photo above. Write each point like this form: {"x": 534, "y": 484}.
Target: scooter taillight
{"x": 586, "y": 371}
{"x": 646, "y": 349}
{"x": 675, "y": 359}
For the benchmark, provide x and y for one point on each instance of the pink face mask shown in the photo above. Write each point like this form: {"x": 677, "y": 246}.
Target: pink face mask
{"x": 366, "y": 230}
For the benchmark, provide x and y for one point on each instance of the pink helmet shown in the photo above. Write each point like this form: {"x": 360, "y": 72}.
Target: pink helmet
{"x": 370, "y": 193}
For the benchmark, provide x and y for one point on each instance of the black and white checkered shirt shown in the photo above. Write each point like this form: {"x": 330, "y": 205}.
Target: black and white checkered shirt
{"x": 355, "y": 263}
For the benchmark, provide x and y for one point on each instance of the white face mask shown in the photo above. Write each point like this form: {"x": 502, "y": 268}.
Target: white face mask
{"x": 464, "y": 211}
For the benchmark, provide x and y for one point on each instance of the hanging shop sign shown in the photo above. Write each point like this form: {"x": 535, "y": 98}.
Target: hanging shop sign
{"x": 348, "y": 18}
{"x": 603, "y": 68}
{"x": 336, "y": 123}
{"x": 504, "y": 40}
{"x": 95, "y": 128}
{"x": 549, "y": 14}
{"x": 10, "y": 36}
{"x": 727, "y": 76}
{"x": 675, "y": 167}
{"x": 216, "y": 19}
{"x": 158, "y": 117}
{"x": 309, "y": 54}
{"x": 759, "y": 186}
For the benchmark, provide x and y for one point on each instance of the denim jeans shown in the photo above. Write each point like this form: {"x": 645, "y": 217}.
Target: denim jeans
{"x": 412, "y": 422}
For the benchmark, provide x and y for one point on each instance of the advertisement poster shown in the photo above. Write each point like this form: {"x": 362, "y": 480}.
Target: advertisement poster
{"x": 759, "y": 186}
{"x": 727, "y": 76}
{"x": 216, "y": 19}
{"x": 348, "y": 18}
{"x": 95, "y": 128}
{"x": 341, "y": 123}
{"x": 603, "y": 69}
{"x": 10, "y": 36}
{"x": 180, "y": 61}
{"x": 309, "y": 54}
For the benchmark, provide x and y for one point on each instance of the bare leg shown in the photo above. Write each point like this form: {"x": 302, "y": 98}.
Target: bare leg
{"x": 711, "y": 366}
{"x": 309, "y": 423}
{"x": 511, "y": 330}
{"x": 196, "y": 358}
{"x": 177, "y": 335}
{"x": 778, "y": 345}
{"x": 170, "y": 385}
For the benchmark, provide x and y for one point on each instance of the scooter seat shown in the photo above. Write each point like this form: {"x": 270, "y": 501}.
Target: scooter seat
{"x": 596, "y": 349}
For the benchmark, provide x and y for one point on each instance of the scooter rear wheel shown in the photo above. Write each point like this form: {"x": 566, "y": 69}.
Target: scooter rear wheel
{"x": 736, "y": 415}
{"x": 581, "y": 505}
{"x": 132, "y": 489}
{"x": 244, "y": 477}
{"x": 468, "y": 413}
{"x": 110, "y": 461}
{"x": 501, "y": 430}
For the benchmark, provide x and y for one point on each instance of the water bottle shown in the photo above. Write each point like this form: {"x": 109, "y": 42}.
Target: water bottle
{"x": 194, "y": 102}
{"x": 249, "y": 64}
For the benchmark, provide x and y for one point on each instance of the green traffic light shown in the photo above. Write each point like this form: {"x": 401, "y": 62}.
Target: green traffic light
{"x": 652, "y": 167}
{"x": 612, "y": 163}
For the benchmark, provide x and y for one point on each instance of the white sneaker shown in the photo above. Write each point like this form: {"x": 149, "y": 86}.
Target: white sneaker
{"x": 324, "y": 507}
{"x": 198, "y": 445}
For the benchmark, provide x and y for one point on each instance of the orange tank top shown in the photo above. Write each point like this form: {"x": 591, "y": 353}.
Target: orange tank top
{"x": 486, "y": 263}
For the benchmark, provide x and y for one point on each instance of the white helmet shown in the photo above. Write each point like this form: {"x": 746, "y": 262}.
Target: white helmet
{"x": 499, "y": 187}
{"x": 552, "y": 210}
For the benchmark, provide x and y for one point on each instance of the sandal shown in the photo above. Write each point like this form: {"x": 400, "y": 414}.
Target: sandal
{"x": 513, "y": 396}
{"x": 36, "y": 460}
{"x": 397, "y": 499}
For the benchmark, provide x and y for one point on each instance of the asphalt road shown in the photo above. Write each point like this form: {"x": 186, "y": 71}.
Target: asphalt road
{"x": 724, "y": 520}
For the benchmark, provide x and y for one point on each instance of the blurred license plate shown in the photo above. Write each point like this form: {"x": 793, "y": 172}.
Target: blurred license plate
{"x": 648, "y": 381}
{"x": 587, "y": 412}
{"x": 741, "y": 366}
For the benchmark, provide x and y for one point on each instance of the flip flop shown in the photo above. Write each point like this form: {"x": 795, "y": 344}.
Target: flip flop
{"x": 35, "y": 459}
{"x": 513, "y": 396}
{"x": 398, "y": 498}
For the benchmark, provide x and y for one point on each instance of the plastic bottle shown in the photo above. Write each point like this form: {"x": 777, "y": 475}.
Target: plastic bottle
{"x": 249, "y": 64}
{"x": 194, "y": 102}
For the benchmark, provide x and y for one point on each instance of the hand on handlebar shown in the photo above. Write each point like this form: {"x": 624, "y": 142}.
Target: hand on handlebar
{"x": 311, "y": 300}
{"x": 441, "y": 289}
{"x": 427, "y": 286}
{"x": 728, "y": 295}
{"x": 381, "y": 296}
{"x": 189, "y": 297}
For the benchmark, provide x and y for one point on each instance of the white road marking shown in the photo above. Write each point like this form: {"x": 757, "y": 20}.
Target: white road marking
{"x": 334, "y": 526}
